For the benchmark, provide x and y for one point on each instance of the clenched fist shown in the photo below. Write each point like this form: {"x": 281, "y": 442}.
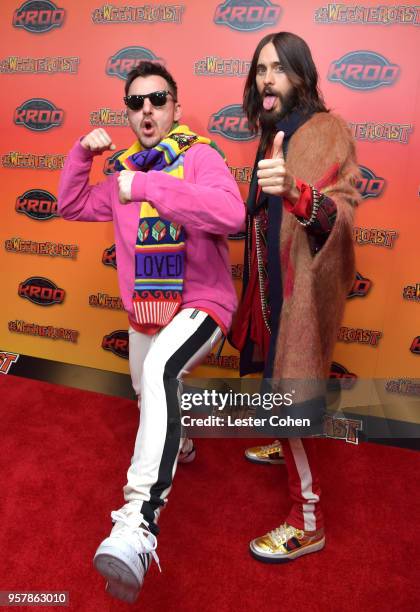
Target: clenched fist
{"x": 125, "y": 179}
{"x": 97, "y": 141}
{"x": 273, "y": 176}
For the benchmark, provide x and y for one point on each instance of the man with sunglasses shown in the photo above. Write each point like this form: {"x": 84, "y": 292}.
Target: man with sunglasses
{"x": 173, "y": 203}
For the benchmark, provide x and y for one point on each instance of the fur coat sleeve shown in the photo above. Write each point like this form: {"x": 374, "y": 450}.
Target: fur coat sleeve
{"x": 315, "y": 288}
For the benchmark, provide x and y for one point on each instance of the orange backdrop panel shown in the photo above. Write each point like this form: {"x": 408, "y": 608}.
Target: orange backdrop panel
{"x": 66, "y": 65}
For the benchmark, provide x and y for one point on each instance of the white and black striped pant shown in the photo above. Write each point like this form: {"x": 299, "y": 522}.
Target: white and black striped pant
{"x": 156, "y": 364}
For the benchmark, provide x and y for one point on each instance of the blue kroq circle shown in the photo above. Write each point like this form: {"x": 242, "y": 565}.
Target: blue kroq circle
{"x": 38, "y": 5}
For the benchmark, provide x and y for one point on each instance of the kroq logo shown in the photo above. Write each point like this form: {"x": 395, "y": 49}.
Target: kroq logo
{"x": 369, "y": 185}
{"x": 37, "y": 204}
{"x": 247, "y": 15}
{"x": 41, "y": 291}
{"x": 361, "y": 286}
{"x": 38, "y": 115}
{"x": 117, "y": 343}
{"x": 38, "y": 16}
{"x": 363, "y": 70}
{"x": 126, "y": 59}
{"x": 109, "y": 164}
{"x": 109, "y": 257}
{"x": 231, "y": 123}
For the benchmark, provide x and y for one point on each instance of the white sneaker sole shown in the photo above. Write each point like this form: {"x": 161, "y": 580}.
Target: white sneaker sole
{"x": 279, "y": 558}
{"x": 117, "y": 565}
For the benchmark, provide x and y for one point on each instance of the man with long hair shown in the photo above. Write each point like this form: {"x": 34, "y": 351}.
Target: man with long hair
{"x": 299, "y": 260}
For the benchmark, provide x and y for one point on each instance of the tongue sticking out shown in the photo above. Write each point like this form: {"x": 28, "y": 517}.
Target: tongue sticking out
{"x": 269, "y": 102}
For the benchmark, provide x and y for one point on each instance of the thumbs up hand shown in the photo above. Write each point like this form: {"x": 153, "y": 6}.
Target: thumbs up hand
{"x": 273, "y": 175}
{"x": 278, "y": 146}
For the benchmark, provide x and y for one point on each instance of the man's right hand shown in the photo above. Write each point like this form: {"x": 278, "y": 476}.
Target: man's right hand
{"x": 97, "y": 141}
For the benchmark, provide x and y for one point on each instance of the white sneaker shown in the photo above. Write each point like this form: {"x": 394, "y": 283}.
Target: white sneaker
{"x": 187, "y": 452}
{"x": 125, "y": 556}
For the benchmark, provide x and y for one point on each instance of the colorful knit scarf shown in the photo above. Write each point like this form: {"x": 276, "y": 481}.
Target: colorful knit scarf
{"x": 160, "y": 244}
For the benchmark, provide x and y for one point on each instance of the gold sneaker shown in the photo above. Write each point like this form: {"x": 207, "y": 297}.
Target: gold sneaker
{"x": 286, "y": 543}
{"x": 270, "y": 453}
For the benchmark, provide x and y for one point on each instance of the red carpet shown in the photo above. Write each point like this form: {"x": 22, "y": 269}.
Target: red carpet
{"x": 64, "y": 456}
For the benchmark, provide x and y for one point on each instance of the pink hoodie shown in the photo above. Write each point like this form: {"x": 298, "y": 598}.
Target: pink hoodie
{"x": 206, "y": 202}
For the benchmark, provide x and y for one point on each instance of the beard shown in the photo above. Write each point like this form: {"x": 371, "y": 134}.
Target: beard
{"x": 269, "y": 119}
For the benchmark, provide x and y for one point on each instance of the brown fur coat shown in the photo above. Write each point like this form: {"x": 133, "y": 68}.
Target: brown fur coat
{"x": 315, "y": 286}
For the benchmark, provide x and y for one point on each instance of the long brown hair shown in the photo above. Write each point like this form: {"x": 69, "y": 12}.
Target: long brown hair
{"x": 296, "y": 59}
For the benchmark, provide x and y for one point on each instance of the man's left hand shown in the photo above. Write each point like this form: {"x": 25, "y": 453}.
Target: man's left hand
{"x": 273, "y": 176}
{"x": 125, "y": 179}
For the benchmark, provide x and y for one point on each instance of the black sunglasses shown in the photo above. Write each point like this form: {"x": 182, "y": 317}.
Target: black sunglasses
{"x": 157, "y": 98}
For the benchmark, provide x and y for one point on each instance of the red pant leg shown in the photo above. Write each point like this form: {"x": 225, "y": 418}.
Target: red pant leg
{"x": 304, "y": 487}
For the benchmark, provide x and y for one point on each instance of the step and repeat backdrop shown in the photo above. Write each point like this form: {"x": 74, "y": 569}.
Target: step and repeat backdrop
{"x": 62, "y": 71}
